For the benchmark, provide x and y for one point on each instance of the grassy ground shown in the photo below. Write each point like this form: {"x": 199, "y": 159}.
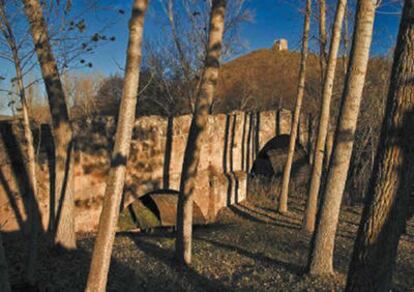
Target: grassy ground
{"x": 251, "y": 247}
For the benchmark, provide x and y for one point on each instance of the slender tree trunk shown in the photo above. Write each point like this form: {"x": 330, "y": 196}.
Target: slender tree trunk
{"x": 346, "y": 39}
{"x": 98, "y": 273}
{"x": 283, "y": 199}
{"x": 323, "y": 58}
{"x": 386, "y": 209}
{"x": 64, "y": 225}
{"x": 34, "y": 212}
{"x": 312, "y": 202}
{"x": 197, "y": 128}
{"x": 4, "y": 274}
{"x": 322, "y": 247}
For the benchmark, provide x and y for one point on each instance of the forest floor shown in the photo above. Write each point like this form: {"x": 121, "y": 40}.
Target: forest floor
{"x": 251, "y": 247}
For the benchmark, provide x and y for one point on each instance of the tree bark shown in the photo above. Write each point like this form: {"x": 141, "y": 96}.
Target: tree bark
{"x": 283, "y": 199}
{"x": 323, "y": 58}
{"x": 312, "y": 202}
{"x": 98, "y": 273}
{"x": 34, "y": 211}
{"x": 197, "y": 128}
{"x": 64, "y": 225}
{"x": 388, "y": 197}
{"x": 346, "y": 40}
{"x": 4, "y": 274}
{"x": 322, "y": 246}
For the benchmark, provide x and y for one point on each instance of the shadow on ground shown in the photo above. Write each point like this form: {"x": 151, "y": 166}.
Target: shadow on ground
{"x": 251, "y": 247}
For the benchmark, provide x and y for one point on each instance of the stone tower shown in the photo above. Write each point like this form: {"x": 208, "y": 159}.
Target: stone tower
{"x": 280, "y": 45}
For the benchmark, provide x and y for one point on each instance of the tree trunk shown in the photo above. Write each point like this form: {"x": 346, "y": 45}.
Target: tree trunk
{"x": 312, "y": 202}
{"x": 346, "y": 39}
{"x": 322, "y": 247}
{"x": 64, "y": 225}
{"x": 283, "y": 199}
{"x": 323, "y": 58}
{"x": 34, "y": 212}
{"x": 388, "y": 197}
{"x": 98, "y": 273}
{"x": 4, "y": 274}
{"x": 197, "y": 128}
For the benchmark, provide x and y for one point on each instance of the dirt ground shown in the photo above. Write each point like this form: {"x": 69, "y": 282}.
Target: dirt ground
{"x": 251, "y": 247}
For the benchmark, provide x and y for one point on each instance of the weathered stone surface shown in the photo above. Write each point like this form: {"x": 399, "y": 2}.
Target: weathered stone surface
{"x": 231, "y": 144}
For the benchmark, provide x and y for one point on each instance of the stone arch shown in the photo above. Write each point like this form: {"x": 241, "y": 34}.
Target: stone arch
{"x": 271, "y": 159}
{"x": 155, "y": 209}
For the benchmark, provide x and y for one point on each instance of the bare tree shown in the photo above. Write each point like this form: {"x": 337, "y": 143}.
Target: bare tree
{"x": 197, "y": 128}
{"x": 322, "y": 247}
{"x": 388, "y": 198}
{"x": 102, "y": 251}
{"x": 283, "y": 199}
{"x": 62, "y": 129}
{"x": 34, "y": 212}
{"x": 82, "y": 93}
{"x": 312, "y": 201}
{"x": 4, "y": 274}
{"x": 68, "y": 34}
{"x": 22, "y": 47}
{"x": 176, "y": 61}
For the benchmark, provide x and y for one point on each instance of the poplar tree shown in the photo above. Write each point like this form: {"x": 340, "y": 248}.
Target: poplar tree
{"x": 322, "y": 245}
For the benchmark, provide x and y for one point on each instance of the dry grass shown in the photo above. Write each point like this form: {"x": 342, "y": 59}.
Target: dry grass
{"x": 270, "y": 78}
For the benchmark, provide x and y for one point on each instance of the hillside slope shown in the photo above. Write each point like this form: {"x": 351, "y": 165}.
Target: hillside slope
{"x": 265, "y": 79}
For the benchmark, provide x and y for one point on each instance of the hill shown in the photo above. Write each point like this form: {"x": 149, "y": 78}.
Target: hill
{"x": 265, "y": 79}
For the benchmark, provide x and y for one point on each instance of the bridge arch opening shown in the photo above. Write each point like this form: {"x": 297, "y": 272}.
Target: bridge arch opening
{"x": 267, "y": 170}
{"x": 153, "y": 210}
{"x": 271, "y": 159}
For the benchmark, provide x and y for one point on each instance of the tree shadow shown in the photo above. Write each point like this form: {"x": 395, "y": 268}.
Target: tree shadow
{"x": 168, "y": 258}
{"x": 11, "y": 196}
{"x": 17, "y": 159}
{"x": 63, "y": 271}
{"x": 232, "y": 181}
{"x": 249, "y": 146}
{"x": 69, "y": 177}
{"x": 245, "y": 213}
{"x": 258, "y": 256}
{"x": 243, "y": 144}
{"x": 167, "y": 154}
{"x": 226, "y": 142}
{"x": 258, "y": 212}
{"x": 292, "y": 207}
{"x": 31, "y": 228}
{"x": 46, "y": 140}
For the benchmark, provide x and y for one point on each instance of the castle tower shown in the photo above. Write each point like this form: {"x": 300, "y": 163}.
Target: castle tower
{"x": 280, "y": 45}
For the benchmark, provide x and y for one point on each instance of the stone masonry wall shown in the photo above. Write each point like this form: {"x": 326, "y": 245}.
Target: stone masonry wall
{"x": 230, "y": 146}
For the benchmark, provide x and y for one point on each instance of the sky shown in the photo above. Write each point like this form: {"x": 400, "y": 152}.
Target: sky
{"x": 273, "y": 19}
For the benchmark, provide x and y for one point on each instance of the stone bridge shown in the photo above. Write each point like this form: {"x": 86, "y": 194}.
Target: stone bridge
{"x": 233, "y": 146}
